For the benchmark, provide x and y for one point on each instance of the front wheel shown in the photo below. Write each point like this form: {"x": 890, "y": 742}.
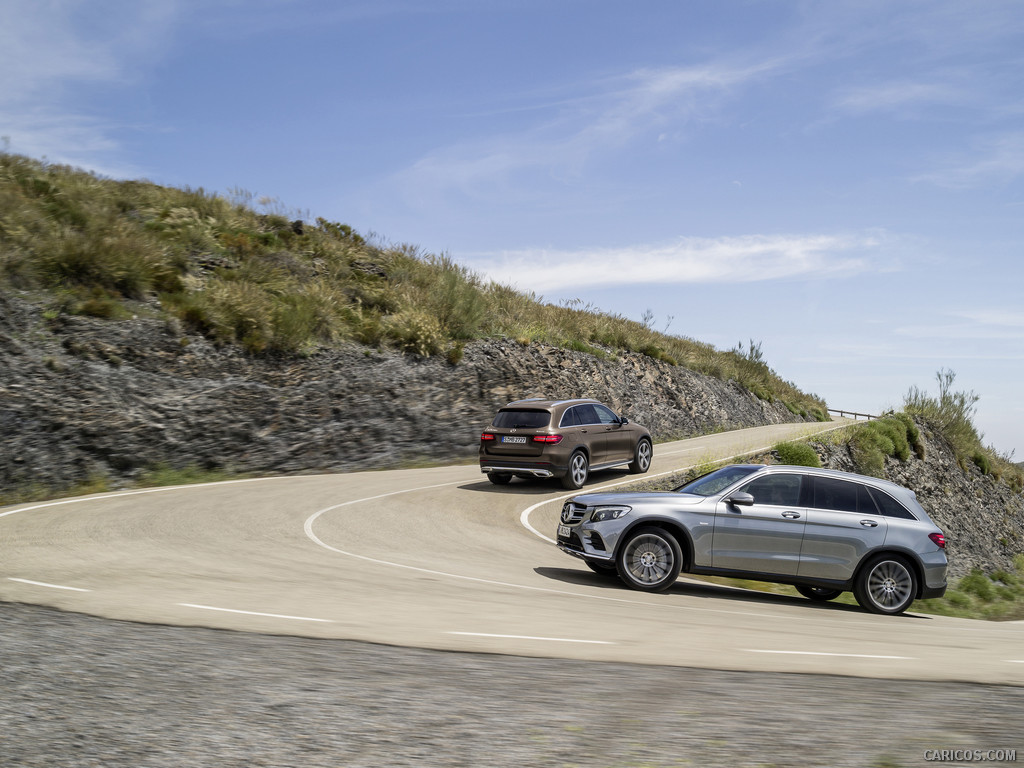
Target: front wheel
{"x": 499, "y": 478}
{"x": 641, "y": 458}
{"x": 649, "y": 560}
{"x": 818, "y": 593}
{"x": 579, "y": 468}
{"x": 887, "y": 584}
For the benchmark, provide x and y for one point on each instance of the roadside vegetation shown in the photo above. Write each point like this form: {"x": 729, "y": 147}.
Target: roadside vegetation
{"x": 250, "y": 272}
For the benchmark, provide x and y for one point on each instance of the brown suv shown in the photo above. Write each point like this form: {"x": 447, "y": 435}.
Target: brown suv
{"x": 561, "y": 438}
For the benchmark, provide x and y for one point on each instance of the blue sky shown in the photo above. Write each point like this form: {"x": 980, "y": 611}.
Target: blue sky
{"x": 839, "y": 181}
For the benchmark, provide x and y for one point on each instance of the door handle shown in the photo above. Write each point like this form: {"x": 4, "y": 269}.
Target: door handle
{"x": 791, "y": 515}
{"x": 869, "y": 523}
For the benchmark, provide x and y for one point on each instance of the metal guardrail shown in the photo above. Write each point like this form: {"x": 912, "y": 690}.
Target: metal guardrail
{"x": 854, "y": 414}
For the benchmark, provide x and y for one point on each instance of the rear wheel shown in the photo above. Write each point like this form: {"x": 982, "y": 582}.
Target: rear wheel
{"x": 650, "y": 560}
{"x": 579, "y": 469}
{"x": 887, "y": 584}
{"x": 641, "y": 458}
{"x": 818, "y": 593}
{"x": 499, "y": 478}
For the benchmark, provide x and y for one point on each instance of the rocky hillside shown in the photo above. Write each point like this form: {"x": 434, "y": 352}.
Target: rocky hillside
{"x": 82, "y": 397}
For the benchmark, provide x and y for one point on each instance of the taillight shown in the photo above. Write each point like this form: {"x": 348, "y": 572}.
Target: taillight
{"x": 939, "y": 539}
{"x": 547, "y": 439}
{"x": 486, "y": 436}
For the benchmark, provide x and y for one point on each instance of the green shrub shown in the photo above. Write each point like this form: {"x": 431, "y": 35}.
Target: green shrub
{"x": 982, "y": 462}
{"x": 799, "y": 454}
{"x": 872, "y": 442}
{"x": 978, "y": 584}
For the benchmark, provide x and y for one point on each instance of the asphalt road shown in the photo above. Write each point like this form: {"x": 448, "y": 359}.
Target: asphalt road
{"x": 441, "y": 559}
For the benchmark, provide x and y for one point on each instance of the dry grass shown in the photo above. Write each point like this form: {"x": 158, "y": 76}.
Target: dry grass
{"x": 276, "y": 285}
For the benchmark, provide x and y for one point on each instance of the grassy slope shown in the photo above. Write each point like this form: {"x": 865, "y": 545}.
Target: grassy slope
{"x": 277, "y": 286}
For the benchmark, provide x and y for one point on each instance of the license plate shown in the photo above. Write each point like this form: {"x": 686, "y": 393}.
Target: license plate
{"x": 564, "y": 531}
{"x": 508, "y": 439}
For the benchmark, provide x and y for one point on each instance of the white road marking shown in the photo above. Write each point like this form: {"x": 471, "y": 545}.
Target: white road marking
{"x": 80, "y": 499}
{"x": 528, "y": 637}
{"x": 308, "y": 527}
{"x": 818, "y": 653}
{"x": 1015, "y": 661}
{"x": 253, "y": 613}
{"x": 50, "y": 586}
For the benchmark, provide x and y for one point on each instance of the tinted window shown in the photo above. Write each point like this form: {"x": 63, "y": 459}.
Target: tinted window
{"x": 889, "y": 506}
{"x": 712, "y": 483}
{"x": 570, "y": 418}
{"x": 780, "y": 490}
{"x": 842, "y": 496}
{"x": 521, "y": 419}
{"x": 587, "y": 414}
{"x": 605, "y": 416}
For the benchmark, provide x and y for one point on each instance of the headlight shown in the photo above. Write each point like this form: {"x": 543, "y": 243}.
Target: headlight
{"x": 600, "y": 514}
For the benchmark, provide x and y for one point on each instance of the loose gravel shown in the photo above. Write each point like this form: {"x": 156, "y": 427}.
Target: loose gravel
{"x": 81, "y": 691}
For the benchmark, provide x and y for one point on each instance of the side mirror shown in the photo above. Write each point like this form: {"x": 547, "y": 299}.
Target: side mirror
{"x": 740, "y": 499}
{"x": 623, "y": 420}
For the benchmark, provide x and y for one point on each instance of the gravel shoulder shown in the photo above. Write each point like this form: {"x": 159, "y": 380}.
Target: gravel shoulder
{"x": 82, "y": 691}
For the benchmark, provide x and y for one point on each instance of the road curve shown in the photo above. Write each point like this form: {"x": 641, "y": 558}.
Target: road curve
{"x": 440, "y": 558}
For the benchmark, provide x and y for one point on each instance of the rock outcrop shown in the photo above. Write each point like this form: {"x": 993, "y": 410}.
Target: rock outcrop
{"x": 83, "y": 397}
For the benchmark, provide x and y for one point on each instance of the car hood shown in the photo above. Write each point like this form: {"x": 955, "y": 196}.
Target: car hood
{"x": 594, "y": 499}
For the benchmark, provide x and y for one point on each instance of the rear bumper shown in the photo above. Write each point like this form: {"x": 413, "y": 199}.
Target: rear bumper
{"x": 519, "y": 471}
{"x": 525, "y": 468}
{"x": 927, "y": 593}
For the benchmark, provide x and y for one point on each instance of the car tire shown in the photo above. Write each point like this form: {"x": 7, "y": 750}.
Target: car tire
{"x": 818, "y": 594}
{"x": 603, "y": 570}
{"x": 649, "y": 559}
{"x": 886, "y": 584}
{"x": 641, "y": 457}
{"x": 499, "y": 478}
{"x": 579, "y": 470}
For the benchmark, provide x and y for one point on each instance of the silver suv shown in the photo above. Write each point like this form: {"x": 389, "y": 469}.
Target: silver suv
{"x": 825, "y": 532}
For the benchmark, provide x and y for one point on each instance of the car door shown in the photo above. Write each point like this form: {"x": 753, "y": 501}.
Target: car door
{"x": 618, "y": 436}
{"x": 843, "y": 524}
{"x": 592, "y": 432}
{"x": 764, "y": 537}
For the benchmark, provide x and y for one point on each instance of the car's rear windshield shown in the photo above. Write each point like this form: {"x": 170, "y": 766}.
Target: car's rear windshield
{"x": 720, "y": 479}
{"x": 521, "y": 419}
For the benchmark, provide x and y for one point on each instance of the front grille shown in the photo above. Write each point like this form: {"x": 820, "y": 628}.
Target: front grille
{"x": 572, "y": 513}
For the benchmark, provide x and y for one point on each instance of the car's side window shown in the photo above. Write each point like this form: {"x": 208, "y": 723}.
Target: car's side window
{"x": 842, "y": 496}
{"x": 889, "y": 506}
{"x": 570, "y": 418}
{"x": 780, "y": 490}
{"x": 605, "y": 415}
{"x": 587, "y": 414}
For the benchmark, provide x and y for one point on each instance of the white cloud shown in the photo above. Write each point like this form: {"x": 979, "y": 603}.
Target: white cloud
{"x": 52, "y": 51}
{"x": 896, "y": 96}
{"x": 750, "y": 258}
{"x": 611, "y": 114}
{"x": 997, "y": 159}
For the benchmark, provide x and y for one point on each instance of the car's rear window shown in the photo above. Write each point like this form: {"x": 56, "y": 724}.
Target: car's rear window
{"x": 521, "y": 419}
{"x": 720, "y": 479}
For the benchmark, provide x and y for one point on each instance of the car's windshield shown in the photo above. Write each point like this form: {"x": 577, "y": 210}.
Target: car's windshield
{"x": 521, "y": 419}
{"x": 710, "y": 484}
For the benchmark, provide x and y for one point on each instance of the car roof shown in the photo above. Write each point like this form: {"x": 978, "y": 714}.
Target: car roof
{"x": 540, "y": 404}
